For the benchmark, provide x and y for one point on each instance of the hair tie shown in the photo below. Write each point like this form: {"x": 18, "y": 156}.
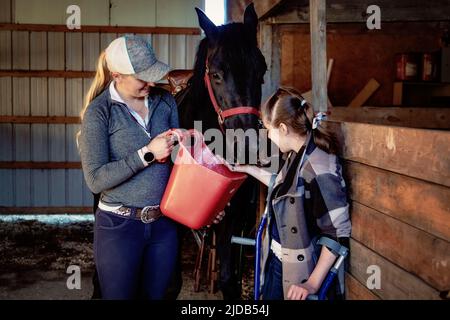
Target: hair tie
{"x": 318, "y": 119}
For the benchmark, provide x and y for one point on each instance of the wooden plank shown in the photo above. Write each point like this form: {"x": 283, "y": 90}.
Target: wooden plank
{"x": 318, "y": 24}
{"x": 45, "y": 210}
{"x": 348, "y": 11}
{"x": 161, "y": 47}
{"x": 20, "y": 50}
{"x": 39, "y": 165}
{"x": 5, "y": 96}
{"x": 7, "y": 188}
{"x": 99, "y": 29}
{"x": 5, "y": 50}
{"x": 425, "y": 118}
{"x": 355, "y": 290}
{"x": 74, "y": 52}
{"x": 263, "y": 8}
{"x": 416, "y": 251}
{"x": 421, "y": 204}
{"x": 56, "y": 98}
{"x": 91, "y": 50}
{"x": 393, "y": 148}
{"x": 47, "y": 74}
{"x": 56, "y": 51}
{"x": 287, "y": 60}
{"x": 177, "y": 50}
{"x": 362, "y": 97}
{"x": 38, "y": 97}
{"x": 396, "y": 283}
{"x": 74, "y": 97}
{"x": 397, "y": 94}
{"x": 21, "y": 96}
{"x": 38, "y": 50}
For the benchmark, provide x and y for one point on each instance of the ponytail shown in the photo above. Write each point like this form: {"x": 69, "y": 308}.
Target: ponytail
{"x": 287, "y": 106}
{"x": 101, "y": 80}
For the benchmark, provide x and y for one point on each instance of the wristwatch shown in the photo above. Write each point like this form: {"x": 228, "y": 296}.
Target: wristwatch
{"x": 149, "y": 157}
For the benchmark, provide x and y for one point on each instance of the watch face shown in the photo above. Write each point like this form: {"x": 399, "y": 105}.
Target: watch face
{"x": 149, "y": 157}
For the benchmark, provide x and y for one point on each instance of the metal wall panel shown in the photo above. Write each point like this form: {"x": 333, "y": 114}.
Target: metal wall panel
{"x": 91, "y": 50}
{"x": 5, "y": 50}
{"x": 20, "y": 50}
{"x": 38, "y": 50}
{"x": 56, "y": 50}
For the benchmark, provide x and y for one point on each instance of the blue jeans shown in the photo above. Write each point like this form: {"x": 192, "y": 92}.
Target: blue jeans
{"x": 133, "y": 259}
{"x": 273, "y": 281}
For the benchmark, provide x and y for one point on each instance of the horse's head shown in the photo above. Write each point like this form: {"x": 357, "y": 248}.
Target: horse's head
{"x": 233, "y": 68}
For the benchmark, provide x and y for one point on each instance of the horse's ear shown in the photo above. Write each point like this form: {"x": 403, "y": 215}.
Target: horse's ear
{"x": 250, "y": 17}
{"x": 207, "y": 25}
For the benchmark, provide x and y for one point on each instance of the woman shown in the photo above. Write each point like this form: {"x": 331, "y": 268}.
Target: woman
{"x": 124, "y": 143}
{"x": 307, "y": 199}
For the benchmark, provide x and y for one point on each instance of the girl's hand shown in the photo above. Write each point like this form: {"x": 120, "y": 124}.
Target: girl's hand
{"x": 301, "y": 291}
{"x": 234, "y": 167}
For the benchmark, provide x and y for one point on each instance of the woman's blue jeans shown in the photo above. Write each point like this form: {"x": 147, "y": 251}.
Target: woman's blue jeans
{"x": 273, "y": 279}
{"x": 133, "y": 259}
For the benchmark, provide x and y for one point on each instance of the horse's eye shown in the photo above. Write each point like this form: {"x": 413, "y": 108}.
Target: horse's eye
{"x": 217, "y": 76}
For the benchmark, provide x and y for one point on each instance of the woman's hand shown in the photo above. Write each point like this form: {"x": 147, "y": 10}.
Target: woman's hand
{"x": 161, "y": 146}
{"x": 218, "y": 218}
{"x": 301, "y": 291}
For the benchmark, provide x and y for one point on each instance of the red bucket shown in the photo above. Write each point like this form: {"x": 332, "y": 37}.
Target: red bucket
{"x": 200, "y": 185}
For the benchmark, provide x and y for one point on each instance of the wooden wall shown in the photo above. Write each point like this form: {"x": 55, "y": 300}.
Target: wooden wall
{"x": 399, "y": 186}
{"x": 43, "y": 78}
{"x": 359, "y": 55}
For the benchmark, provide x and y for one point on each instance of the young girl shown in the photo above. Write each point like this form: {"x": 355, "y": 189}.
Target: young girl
{"x": 307, "y": 199}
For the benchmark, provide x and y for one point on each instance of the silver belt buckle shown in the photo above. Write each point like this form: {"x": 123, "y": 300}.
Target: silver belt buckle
{"x": 145, "y": 218}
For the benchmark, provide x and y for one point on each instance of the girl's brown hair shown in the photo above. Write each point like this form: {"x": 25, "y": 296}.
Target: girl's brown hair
{"x": 288, "y": 106}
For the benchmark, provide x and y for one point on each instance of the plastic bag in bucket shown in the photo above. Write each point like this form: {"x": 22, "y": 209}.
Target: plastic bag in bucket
{"x": 200, "y": 185}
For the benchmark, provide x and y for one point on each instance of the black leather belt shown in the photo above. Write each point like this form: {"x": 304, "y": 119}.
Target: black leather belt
{"x": 146, "y": 214}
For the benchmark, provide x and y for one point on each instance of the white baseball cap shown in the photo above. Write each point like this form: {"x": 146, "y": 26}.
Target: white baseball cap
{"x": 134, "y": 55}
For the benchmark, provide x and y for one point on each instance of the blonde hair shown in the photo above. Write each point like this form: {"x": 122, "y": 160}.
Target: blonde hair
{"x": 100, "y": 82}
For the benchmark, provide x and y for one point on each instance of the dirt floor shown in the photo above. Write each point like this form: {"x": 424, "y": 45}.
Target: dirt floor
{"x": 34, "y": 257}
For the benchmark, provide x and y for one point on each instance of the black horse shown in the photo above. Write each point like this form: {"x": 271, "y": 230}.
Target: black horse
{"x": 229, "y": 62}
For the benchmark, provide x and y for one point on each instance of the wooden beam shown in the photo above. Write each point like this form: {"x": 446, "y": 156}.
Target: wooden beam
{"x": 45, "y": 210}
{"x": 418, "y": 203}
{"x": 40, "y": 119}
{"x": 319, "y": 54}
{"x": 362, "y": 97}
{"x": 418, "y": 153}
{"x": 427, "y": 118}
{"x": 46, "y": 74}
{"x": 99, "y": 29}
{"x": 264, "y": 8}
{"x": 350, "y": 11}
{"x": 396, "y": 283}
{"x": 416, "y": 251}
{"x": 355, "y": 290}
{"x": 39, "y": 165}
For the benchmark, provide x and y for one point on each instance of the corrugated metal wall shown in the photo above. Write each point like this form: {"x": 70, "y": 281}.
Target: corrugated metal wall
{"x": 29, "y": 96}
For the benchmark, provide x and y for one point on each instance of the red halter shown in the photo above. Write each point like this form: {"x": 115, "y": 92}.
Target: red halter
{"x": 222, "y": 115}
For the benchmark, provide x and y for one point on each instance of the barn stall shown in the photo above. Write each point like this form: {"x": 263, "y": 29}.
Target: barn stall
{"x": 393, "y": 129}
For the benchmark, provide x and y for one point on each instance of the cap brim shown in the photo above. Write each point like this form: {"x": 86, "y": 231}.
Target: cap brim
{"x": 155, "y": 73}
